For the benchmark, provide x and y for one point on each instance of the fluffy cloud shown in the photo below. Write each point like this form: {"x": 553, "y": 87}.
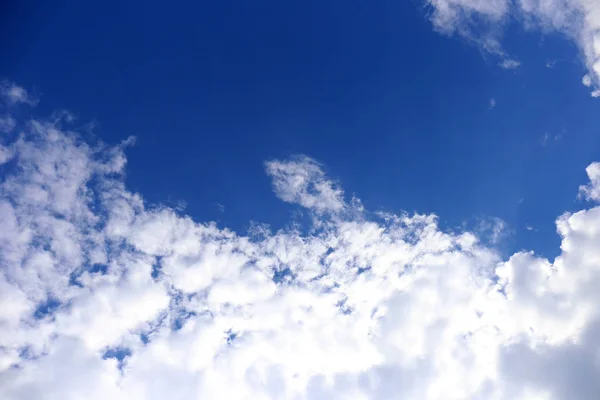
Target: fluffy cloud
{"x": 448, "y": 13}
{"x": 510, "y": 64}
{"x": 481, "y": 21}
{"x": 6, "y": 124}
{"x": 303, "y": 182}
{"x": 104, "y": 296}
{"x": 592, "y": 190}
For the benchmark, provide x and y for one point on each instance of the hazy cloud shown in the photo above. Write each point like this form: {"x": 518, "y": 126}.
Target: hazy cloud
{"x": 14, "y": 94}
{"x": 301, "y": 180}
{"x": 510, "y": 64}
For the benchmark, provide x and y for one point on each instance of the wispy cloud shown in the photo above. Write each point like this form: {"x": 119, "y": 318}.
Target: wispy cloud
{"x": 301, "y": 180}
{"x": 591, "y": 191}
{"x": 545, "y": 138}
{"x": 483, "y": 22}
{"x": 7, "y": 123}
{"x": 14, "y": 94}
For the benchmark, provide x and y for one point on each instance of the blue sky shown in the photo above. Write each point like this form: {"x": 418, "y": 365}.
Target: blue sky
{"x": 300, "y": 200}
{"x": 397, "y": 112}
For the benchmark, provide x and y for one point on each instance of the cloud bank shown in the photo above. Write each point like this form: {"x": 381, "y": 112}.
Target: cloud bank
{"x": 105, "y": 296}
{"x": 482, "y": 22}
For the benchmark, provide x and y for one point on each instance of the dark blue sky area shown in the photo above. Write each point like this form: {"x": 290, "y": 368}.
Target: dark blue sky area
{"x": 399, "y": 114}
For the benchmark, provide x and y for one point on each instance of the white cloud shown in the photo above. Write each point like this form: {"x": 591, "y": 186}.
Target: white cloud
{"x": 592, "y": 190}
{"x": 510, "y": 64}
{"x": 483, "y": 21}
{"x": 492, "y": 103}
{"x": 302, "y": 181}
{"x": 14, "y": 94}
{"x": 103, "y": 296}
{"x": 545, "y": 139}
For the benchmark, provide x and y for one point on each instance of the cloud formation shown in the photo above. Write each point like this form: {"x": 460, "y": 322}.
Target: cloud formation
{"x": 14, "y": 94}
{"x": 482, "y": 22}
{"x": 510, "y": 64}
{"x": 592, "y": 190}
{"x": 302, "y": 181}
{"x": 105, "y": 296}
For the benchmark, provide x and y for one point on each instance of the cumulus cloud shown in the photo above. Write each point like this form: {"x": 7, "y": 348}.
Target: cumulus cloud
{"x": 105, "y": 296}
{"x": 482, "y": 22}
{"x": 592, "y": 190}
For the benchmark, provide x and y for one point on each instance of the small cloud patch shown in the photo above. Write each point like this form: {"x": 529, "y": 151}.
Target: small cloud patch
{"x": 510, "y": 64}
{"x": 118, "y": 353}
{"x": 46, "y": 309}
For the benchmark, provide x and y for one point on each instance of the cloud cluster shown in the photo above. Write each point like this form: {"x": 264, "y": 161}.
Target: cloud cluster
{"x": 482, "y": 21}
{"x": 104, "y": 296}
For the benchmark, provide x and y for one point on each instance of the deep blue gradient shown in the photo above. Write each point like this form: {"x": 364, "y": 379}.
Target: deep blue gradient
{"x": 399, "y": 114}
